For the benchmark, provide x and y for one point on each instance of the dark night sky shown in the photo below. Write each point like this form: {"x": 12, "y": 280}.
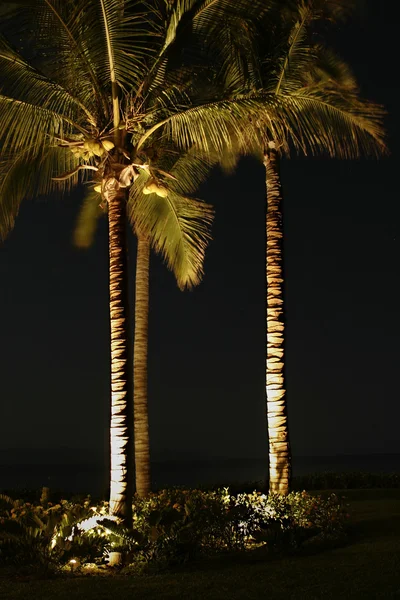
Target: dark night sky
{"x": 206, "y": 370}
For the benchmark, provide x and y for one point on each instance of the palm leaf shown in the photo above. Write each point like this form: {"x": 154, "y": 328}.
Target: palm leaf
{"x": 317, "y": 108}
{"x": 333, "y": 124}
{"x": 24, "y": 125}
{"x": 198, "y": 31}
{"x": 55, "y": 30}
{"x": 178, "y": 227}
{"x": 87, "y": 220}
{"x": 328, "y": 69}
{"x": 22, "y": 82}
{"x": 120, "y": 36}
{"x": 23, "y": 176}
{"x": 296, "y": 52}
{"x": 215, "y": 126}
{"x": 191, "y": 170}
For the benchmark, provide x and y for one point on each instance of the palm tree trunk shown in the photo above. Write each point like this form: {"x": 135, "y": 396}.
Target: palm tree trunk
{"x": 121, "y": 376}
{"x": 140, "y": 406}
{"x": 279, "y": 449}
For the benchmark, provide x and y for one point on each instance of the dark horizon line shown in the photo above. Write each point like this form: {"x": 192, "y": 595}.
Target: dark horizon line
{"x": 185, "y": 457}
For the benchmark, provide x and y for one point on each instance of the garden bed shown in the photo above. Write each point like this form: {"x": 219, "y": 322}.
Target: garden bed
{"x": 366, "y": 566}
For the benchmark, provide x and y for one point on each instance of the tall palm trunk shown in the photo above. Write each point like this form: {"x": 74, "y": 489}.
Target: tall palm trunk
{"x": 141, "y": 418}
{"x": 121, "y": 375}
{"x": 279, "y": 449}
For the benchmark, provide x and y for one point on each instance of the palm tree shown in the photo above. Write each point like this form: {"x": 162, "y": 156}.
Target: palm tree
{"x": 317, "y": 109}
{"x": 82, "y": 102}
{"x": 278, "y": 433}
{"x": 178, "y": 226}
{"x": 179, "y": 229}
{"x": 319, "y": 102}
{"x": 352, "y": 128}
{"x": 140, "y": 404}
{"x": 98, "y": 83}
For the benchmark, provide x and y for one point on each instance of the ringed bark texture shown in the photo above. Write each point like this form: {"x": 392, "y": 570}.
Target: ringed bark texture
{"x": 121, "y": 378}
{"x": 140, "y": 404}
{"x": 279, "y": 449}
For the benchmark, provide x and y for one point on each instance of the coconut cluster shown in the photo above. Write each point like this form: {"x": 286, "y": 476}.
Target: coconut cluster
{"x": 91, "y": 148}
{"x": 154, "y": 187}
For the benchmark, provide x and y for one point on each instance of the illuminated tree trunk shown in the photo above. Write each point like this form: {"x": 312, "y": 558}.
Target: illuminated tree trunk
{"x": 140, "y": 405}
{"x": 279, "y": 449}
{"x": 121, "y": 376}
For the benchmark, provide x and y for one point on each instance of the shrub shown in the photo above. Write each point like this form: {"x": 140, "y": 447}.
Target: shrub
{"x": 291, "y": 520}
{"x": 47, "y": 535}
{"x": 169, "y": 527}
{"x": 176, "y": 525}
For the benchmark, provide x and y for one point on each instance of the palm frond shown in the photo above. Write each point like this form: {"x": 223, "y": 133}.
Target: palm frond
{"x": 209, "y": 15}
{"x": 218, "y": 126}
{"x": 23, "y": 176}
{"x": 296, "y": 51}
{"x": 19, "y": 80}
{"x": 52, "y": 34}
{"x": 191, "y": 169}
{"x": 198, "y": 31}
{"x": 178, "y": 227}
{"x": 119, "y": 35}
{"x": 328, "y": 69}
{"x": 178, "y": 11}
{"x": 88, "y": 217}
{"x": 332, "y": 123}
{"x": 24, "y": 125}
{"x": 317, "y": 107}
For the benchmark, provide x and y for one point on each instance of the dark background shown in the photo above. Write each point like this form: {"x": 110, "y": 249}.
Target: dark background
{"x": 207, "y": 347}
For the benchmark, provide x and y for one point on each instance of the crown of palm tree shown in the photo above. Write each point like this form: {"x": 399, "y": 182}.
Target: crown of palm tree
{"x": 178, "y": 225}
{"x": 316, "y": 104}
{"x": 96, "y": 85}
{"x": 139, "y": 76}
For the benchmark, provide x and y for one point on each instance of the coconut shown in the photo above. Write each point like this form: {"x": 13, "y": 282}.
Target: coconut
{"x": 98, "y": 149}
{"x": 162, "y": 191}
{"x": 152, "y": 187}
{"x": 108, "y": 144}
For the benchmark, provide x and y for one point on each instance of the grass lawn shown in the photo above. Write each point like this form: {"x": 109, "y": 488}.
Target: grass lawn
{"x": 367, "y": 567}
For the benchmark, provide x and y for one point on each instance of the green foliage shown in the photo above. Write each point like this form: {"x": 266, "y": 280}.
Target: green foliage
{"x": 169, "y": 527}
{"x": 146, "y": 68}
{"x": 178, "y": 226}
{"x": 89, "y": 214}
{"x": 180, "y": 524}
{"x": 365, "y": 567}
{"x": 312, "y": 96}
{"x": 45, "y": 536}
{"x": 174, "y": 526}
{"x": 291, "y": 520}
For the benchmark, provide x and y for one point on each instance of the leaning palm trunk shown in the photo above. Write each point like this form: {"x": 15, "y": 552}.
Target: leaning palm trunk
{"x": 279, "y": 450}
{"x": 141, "y": 419}
{"x": 121, "y": 379}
